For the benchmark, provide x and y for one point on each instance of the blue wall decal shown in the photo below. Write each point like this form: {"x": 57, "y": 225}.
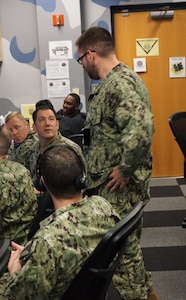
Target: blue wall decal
{"x": 103, "y": 24}
{"x": 20, "y": 56}
{"x": 47, "y": 5}
{"x": 43, "y": 72}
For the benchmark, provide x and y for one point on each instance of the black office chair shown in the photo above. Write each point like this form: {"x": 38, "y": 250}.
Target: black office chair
{"x": 177, "y": 122}
{"x": 4, "y": 255}
{"x": 94, "y": 281}
{"x": 45, "y": 208}
{"x": 77, "y": 138}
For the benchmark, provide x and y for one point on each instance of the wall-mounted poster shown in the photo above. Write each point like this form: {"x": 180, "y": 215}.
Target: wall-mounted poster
{"x": 60, "y": 50}
{"x": 147, "y": 47}
{"x": 176, "y": 67}
{"x": 27, "y": 111}
{"x": 140, "y": 64}
{"x": 57, "y": 69}
{"x": 58, "y": 88}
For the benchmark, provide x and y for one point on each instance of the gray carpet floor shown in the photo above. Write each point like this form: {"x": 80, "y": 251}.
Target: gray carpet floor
{"x": 163, "y": 239}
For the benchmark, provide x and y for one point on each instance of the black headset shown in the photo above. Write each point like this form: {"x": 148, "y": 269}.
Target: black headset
{"x": 38, "y": 184}
{"x": 81, "y": 180}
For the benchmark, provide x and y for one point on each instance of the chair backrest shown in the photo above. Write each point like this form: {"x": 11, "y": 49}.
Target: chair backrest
{"x": 95, "y": 277}
{"x": 4, "y": 255}
{"x": 45, "y": 208}
{"x": 177, "y": 122}
{"x": 84, "y": 115}
{"x": 94, "y": 281}
{"x": 77, "y": 138}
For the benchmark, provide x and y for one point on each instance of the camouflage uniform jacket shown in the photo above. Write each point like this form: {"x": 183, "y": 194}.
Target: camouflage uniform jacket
{"x": 59, "y": 249}
{"x": 121, "y": 129}
{"x": 18, "y": 203}
{"x": 18, "y": 151}
{"x": 33, "y": 156}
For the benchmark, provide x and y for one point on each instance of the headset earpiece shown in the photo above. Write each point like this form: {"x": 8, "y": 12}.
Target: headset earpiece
{"x": 38, "y": 183}
{"x": 82, "y": 182}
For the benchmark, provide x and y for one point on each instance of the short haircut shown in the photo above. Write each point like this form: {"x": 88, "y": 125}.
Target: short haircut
{"x": 44, "y": 107}
{"x": 75, "y": 97}
{"x": 15, "y": 114}
{"x": 97, "y": 39}
{"x": 5, "y": 141}
{"x": 44, "y": 102}
{"x": 60, "y": 168}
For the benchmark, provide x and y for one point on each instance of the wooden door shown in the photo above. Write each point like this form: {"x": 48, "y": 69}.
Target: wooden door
{"x": 168, "y": 95}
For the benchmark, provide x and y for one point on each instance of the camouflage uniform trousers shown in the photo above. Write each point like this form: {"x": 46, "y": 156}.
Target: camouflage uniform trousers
{"x": 131, "y": 280}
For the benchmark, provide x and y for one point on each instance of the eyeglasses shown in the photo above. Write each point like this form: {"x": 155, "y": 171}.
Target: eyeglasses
{"x": 79, "y": 60}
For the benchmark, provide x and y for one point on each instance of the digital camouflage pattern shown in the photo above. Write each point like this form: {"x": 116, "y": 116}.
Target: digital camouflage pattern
{"x": 131, "y": 280}
{"x": 18, "y": 151}
{"x": 121, "y": 128}
{"x": 31, "y": 158}
{"x": 59, "y": 249}
{"x": 18, "y": 203}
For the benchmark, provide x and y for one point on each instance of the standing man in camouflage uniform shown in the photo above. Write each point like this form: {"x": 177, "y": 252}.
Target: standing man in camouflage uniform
{"x": 65, "y": 239}
{"x": 22, "y": 135}
{"x": 118, "y": 136}
{"x": 18, "y": 203}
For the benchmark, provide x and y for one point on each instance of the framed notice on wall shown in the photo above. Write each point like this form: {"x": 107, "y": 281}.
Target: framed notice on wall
{"x": 27, "y": 111}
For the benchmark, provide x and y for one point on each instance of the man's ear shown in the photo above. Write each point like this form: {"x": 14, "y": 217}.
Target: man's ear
{"x": 34, "y": 127}
{"x": 57, "y": 124}
{"x": 91, "y": 56}
{"x": 27, "y": 124}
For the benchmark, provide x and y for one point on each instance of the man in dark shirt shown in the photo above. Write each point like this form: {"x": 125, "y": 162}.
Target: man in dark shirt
{"x": 71, "y": 120}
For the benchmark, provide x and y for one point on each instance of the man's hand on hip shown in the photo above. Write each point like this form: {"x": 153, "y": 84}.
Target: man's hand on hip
{"x": 117, "y": 181}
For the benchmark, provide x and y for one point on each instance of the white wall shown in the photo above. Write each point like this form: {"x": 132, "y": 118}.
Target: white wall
{"x": 27, "y": 28}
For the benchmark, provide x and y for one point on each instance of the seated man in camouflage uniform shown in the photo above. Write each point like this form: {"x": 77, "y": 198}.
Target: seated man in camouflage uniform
{"x": 46, "y": 125}
{"x": 22, "y": 135}
{"x": 18, "y": 202}
{"x": 65, "y": 239}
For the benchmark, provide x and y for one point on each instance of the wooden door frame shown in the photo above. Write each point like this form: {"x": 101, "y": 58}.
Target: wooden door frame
{"x": 144, "y": 7}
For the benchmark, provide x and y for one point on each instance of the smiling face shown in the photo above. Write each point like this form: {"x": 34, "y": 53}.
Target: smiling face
{"x": 69, "y": 105}
{"x": 18, "y": 128}
{"x": 46, "y": 124}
